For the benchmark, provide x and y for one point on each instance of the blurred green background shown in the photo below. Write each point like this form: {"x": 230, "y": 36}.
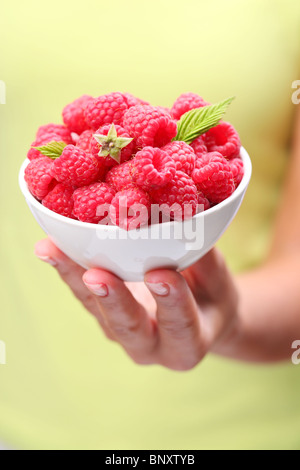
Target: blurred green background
{"x": 64, "y": 385}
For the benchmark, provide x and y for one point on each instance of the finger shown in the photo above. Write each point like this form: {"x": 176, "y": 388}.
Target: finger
{"x": 177, "y": 320}
{"x": 71, "y": 273}
{"x": 130, "y": 324}
{"x": 68, "y": 270}
{"x": 47, "y": 251}
{"x": 209, "y": 278}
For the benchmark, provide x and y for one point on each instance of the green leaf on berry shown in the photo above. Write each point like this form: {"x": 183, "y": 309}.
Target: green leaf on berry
{"x": 52, "y": 150}
{"x": 111, "y": 144}
{"x": 198, "y": 121}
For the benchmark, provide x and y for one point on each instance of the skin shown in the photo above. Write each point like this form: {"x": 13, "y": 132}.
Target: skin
{"x": 175, "y": 319}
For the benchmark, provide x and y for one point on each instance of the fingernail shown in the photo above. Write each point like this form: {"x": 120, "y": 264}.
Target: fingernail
{"x": 159, "y": 288}
{"x": 98, "y": 289}
{"x": 47, "y": 259}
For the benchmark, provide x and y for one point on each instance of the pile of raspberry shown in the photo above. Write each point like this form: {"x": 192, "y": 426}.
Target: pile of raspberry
{"x": 120, "y": 157}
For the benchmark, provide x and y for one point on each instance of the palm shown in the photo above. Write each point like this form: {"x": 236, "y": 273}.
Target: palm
{"x": 172, "y": 319}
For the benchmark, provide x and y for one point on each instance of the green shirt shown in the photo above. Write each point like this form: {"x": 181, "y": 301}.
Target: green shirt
{"x": 64, "y": 384}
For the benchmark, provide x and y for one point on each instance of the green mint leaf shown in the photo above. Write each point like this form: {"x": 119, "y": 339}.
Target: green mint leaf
{"x": 198, "y": 121}
{"x": 52, "y": 150}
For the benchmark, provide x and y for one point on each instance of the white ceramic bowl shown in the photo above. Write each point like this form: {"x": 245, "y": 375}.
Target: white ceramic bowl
{"x": 131, "y": 254}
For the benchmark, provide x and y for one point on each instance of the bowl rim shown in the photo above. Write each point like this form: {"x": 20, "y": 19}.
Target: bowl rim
{"x": 218, "y": 207}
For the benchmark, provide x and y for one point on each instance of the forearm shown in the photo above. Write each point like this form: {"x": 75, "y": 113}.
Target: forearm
{"x": 268, "y": 318}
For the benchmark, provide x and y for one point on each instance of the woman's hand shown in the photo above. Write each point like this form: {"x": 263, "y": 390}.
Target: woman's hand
{"x": 173, "y": 319}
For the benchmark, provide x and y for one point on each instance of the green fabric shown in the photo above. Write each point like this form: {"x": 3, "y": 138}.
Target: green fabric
{"x": 64, "y": 385}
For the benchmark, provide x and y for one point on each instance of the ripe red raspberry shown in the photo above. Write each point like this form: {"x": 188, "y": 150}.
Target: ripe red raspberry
{"x": 106, "y": 109}
{"x": 199, "y": 146}
{"x": 73, "y": 114}
{"x": 185, "y": 103}
{"x": 45, "y": 138}
{"x": 203, "y": 201}
{"x": 183, "y": 156}
{"x": 130, "y": 208}
{"x": 237, "y": 168}
{"x": 84, "y": 140}
{"x": 57, "y": 130}
{"x": 91, "y": 203}
{"x": 120, "y": 177}
{"x": 34, "y": 154}
{"x": 214, "y": 179}
{"x": 133, "y": 100}
{"x": 39, "y": 178}
{"x": 125, "y": 153}
{"x": 165, "y": 110}
{"x": 60, "y": 200}
{"x": 152, "y": 167}
{"x": 224, "y": 139}
{"x": 150, "y": 126}
{"x": 178, "y": 198}
{"x": 75, "y": 167}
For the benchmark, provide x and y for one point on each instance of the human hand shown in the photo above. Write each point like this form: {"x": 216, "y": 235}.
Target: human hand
{"x": 174, "y": 319}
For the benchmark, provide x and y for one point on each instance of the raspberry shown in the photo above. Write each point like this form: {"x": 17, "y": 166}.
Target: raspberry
{"x": 73, "y": 114}
{"x": 178, "y": 198}
{"x": 214, "y": 179}
{"x": 152, "y": 167}
{"x": 44, "y": 138}
{"x": 105, "y": 110}
{"x": 91, "y": 203}
{"x": 130, "y": 208}
{"x": 199, "y": 147}
{"x": 60, "y": 200}
{"x": 150, "y": 126}
{"x": 84, "y": 140}
{"x": 119, "y": 177}
{"x": 34, "y": 154}
{"x": 39, "y": 178}
{"x": 185, "y": 103}
{"x": 237, "y": 168}
{"x": 112, "y": 145}
{"x": 75, "y": 167}
{"x": 57, "y": 130}
{"x": 183, "y": 156}
{"x": 202, "y": 200}
{"x": 133, "y": 100}
{"x": 224, "y": 139}
{"x": 165, "y": 110}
